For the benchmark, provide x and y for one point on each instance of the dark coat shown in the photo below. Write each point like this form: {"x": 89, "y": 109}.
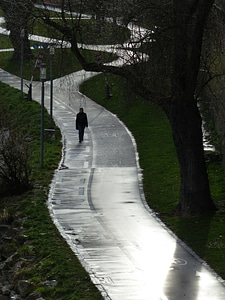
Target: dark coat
{"x": 81, "y": 120}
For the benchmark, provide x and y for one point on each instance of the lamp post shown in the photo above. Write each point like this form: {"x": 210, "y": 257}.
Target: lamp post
{"x": 51, "y": 52}
{"x": 22, "y": 35}
{"x": 42, "y": 79}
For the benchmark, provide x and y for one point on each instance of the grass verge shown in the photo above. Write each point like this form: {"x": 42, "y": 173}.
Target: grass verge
{"x": 39, "y": 251}
{"x": 63, "y": 62}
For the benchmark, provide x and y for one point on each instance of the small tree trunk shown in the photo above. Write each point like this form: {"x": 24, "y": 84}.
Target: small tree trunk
{"x": 17, "y": 44}
{"x": 186, "y": 124}
{"x": 17, "y": 15}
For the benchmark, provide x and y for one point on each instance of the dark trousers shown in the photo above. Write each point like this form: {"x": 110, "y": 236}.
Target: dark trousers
{"x": 81, "y": 132}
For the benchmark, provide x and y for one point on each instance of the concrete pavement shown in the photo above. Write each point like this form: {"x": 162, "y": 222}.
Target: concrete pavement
{"x": 97, "y": 203}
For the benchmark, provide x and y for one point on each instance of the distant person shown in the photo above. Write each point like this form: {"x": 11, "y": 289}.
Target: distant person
{"x": 81, "y": 123}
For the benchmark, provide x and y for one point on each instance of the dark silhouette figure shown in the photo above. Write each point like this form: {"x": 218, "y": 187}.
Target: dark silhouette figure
{"x": 81, "y": 123}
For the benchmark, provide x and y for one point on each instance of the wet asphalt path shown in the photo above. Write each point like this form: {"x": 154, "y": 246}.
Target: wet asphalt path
{"x": 97, "y": 203}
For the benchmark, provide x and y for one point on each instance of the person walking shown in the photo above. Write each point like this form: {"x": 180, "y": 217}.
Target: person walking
{"x": 81, "y": 123}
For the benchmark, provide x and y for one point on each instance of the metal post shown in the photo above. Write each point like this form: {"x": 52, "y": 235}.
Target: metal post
{"x": 42, "y": 79}
{"x": 22, "y": 34}
{"x": 51, "y": 52}
{"x": 42, "y": 123}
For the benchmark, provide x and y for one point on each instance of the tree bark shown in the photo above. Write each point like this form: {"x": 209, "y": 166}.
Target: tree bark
{"x": 17, "y": 41}
{"x": 188, "y": 138}
{"x": 182, "y": 110}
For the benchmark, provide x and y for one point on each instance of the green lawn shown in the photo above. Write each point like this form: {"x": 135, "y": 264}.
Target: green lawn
{"x": 45, "y": 254}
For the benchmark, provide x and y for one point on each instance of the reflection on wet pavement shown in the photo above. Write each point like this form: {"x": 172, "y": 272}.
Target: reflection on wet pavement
{"x": 97, "y": 203}
{"x": 101, "y": 212}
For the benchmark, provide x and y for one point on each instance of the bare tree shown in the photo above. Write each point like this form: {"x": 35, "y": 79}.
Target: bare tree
{"x": 169, "y": 77}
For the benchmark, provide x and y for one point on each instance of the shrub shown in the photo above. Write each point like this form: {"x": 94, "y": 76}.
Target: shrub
{"x": 14, "y": 163}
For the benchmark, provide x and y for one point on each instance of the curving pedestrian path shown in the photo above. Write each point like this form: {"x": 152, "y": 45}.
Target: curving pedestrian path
{"x": 97, "y": 203}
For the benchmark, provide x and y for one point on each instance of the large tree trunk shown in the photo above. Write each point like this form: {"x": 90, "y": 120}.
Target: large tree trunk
{"x": 187, "y": 133}
{"x": 182, "y": 110}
